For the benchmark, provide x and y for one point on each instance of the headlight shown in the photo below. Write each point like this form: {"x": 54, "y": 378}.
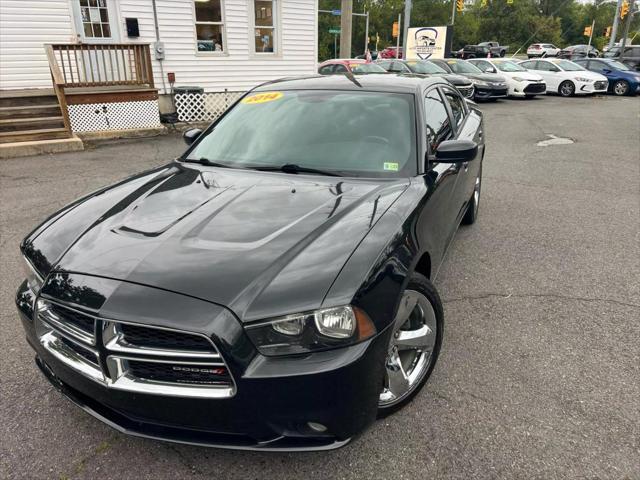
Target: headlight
{"x": 34, "y": 280}
{"x": 311, "y": 331}
{"x": 582, "y": 79}
{"x": 482, "y": 83}
{"x": 518, "y": 79}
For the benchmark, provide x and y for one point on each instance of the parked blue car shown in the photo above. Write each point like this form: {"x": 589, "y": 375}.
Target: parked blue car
{"x": 622, "y": 79}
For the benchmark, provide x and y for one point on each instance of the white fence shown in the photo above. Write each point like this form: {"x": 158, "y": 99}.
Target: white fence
{"x": 203, "y": 107}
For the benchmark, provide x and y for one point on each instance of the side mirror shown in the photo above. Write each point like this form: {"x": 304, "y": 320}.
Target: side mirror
{"x": 606, "y": 70}
{"x": 555, "y": 69}
{"x": 189, "y": 136}
{"x": 455, "y": 151}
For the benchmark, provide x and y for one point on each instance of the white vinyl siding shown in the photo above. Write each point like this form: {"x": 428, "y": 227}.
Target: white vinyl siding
{"x": 239, "y": 68}
{"x": 25, "y": 26}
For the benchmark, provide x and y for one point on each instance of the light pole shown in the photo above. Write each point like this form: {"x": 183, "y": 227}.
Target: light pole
{"x": 345, "y": 28}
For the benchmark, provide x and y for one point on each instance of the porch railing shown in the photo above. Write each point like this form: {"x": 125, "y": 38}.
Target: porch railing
{"x": 101, "y": 65}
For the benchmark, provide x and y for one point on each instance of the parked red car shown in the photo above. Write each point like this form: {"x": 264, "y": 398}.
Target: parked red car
{"x": 349, "y": 65}
{"x": 391, "y": 52}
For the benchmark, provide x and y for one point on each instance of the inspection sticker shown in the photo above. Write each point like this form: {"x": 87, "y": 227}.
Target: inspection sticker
{"x": 262, "y": 98}
{"x": 393, "y": 166}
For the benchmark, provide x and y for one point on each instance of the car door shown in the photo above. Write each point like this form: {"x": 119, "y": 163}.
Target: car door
{"x": 438, "y": 221}
{"x": 465, "y": 127}
{"x": 550, "y": 73}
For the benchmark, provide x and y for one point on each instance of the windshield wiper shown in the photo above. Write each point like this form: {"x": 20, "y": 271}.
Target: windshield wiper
{"x": 293, "y": 168}
{"x": 207, "y": 162}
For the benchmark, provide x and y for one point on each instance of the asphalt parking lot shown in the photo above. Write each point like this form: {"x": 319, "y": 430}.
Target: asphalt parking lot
{"x": 539, "y": 376}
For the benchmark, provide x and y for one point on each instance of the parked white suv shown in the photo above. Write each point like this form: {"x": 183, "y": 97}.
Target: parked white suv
{"x": 542, "y": 50}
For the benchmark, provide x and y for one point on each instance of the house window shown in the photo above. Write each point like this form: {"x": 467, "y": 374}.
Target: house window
{"x": 265, "y": 25}
{"x": 95, "y": 18}
{"x": 209, "y": 26}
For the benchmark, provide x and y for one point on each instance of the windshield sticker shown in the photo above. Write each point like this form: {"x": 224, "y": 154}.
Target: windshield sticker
{"x": 391, "y": 166}
{"x": 262, "y": 98}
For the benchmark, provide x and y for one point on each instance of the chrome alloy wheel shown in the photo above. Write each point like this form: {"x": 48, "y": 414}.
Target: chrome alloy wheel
{"x": 620, "y": 87}
{"x": 411, "y": 347}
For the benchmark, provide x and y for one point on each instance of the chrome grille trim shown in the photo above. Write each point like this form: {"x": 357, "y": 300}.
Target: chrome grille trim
{"x": 118, "y": 370}
{"x": 115, "y": 341}
{"x": 466, "y": 92}
{"x": 46, "y": 314}
{"x": 108, "y": 343}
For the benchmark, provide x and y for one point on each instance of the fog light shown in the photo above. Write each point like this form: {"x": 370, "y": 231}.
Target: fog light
{"x": 317, "y": 427}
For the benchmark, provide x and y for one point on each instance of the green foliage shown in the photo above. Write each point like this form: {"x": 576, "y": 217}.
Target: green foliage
{"x": 517, "y": 25}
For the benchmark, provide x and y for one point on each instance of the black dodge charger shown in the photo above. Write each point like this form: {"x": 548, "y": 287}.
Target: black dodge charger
{"x": 271, "y": 288}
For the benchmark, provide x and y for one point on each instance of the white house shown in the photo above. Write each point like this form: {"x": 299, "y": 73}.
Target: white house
{"x": 71, "y": 68}
{"x": 214, "y": 44}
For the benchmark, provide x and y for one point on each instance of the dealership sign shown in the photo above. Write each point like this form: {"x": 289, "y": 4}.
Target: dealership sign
{"x": 428, "y": 42}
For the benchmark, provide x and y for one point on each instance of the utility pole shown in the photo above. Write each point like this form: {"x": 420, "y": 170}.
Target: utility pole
{"x": 366, "y": 35}
{"x": 453, "y": 11}
{"x": 614, "y": 28}
{"x": 345, "y": 28}
{"x": 625, "y": 30}
{"x": 407, "y": 21}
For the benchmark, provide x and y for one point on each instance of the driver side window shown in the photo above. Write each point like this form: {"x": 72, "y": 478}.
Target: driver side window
{"x": 437, "y": 120}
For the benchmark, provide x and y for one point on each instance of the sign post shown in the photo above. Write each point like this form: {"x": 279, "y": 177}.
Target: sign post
{"x": 335, "y": 32}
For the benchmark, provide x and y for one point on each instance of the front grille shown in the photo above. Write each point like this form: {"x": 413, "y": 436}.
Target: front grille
{"x": 535, "y": 88}
{"x": 199, "y": 374}
{"x": 163, "y": 339}
{"x": 466, "y": 92}
{"x": 135, "y": 358}
{"x": 85, "y": 353}
{"x": 600, "y": 85}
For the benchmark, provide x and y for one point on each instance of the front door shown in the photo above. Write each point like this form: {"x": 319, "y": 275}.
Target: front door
{"x": 96, "y": 21}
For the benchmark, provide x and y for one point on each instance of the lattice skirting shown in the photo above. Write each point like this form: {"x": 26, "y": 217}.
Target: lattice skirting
{"x": 203, "y": 107}
{"x": 94, "y": 117}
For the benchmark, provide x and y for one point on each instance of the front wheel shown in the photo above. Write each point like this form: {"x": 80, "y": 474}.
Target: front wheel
{"x": 503, "y": 53}
{"x": 567, "y": 88}
{"x": 414, "y": 345}
{"x": 621, "y": 88}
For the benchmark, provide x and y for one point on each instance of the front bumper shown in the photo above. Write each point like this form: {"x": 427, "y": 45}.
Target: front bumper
{"x": 587, "y": 88}
{"x": 489, "y": 92}
{"x": 523, "y": 89}
{"x": 275, "y": 399}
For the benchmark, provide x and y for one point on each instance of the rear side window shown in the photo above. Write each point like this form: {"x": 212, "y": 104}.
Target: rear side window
{"x": 457, "y": 107}
{"x": 529, "y": 65}
{"x": 340, "y": 69}
{"x": 437, "y": 120}
{"x": 326, "y": 70}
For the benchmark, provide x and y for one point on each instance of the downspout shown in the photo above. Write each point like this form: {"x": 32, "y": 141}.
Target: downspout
{"x": 157, "y": 26}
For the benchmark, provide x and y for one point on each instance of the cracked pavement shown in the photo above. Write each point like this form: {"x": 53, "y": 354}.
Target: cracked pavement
{"x": 539, "y": 376}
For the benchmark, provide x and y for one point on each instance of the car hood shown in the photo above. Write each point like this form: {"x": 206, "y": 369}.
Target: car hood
{"x": 486, "y": 77}
{"x": 589, "y": 74}
{"x": 534, "y": 77}
{"x": 260, "y": 243}
{"x": 454, "y": 78}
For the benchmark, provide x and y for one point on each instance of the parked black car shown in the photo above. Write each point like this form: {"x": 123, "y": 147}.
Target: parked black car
{"x": 429, "y": 69}
{"x": 574, "y": 52}
{"x": 487, "y": 86}
{"x": 272, "y": 287}
{"x": 631, "y": 55}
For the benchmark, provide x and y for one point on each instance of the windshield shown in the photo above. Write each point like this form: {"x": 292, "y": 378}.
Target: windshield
{"x": 612, "y": 52}
{"x": 366, "y": 68}
{"x": 568, "y": 66}
{"x": 617, "y": 65}
{"x": 368, "y": 134}
{"x": 507, "y": 66}
{"x": 424, "y": 67}
{"x": 460, "y": 66}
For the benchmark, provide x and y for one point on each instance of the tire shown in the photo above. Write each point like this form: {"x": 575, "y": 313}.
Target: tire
{"x": 621, "y": 88}
{"x": 471, "y": 215}
{"x": 529, "y": 97}
{"x": 426, "y": 312}
{"x": 503, "y": 53}
{"x": 567, "y": 88}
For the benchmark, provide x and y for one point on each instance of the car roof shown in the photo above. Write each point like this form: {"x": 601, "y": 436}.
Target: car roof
{"x": 393, "y": 83}
{"x": 344, "y": 61}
